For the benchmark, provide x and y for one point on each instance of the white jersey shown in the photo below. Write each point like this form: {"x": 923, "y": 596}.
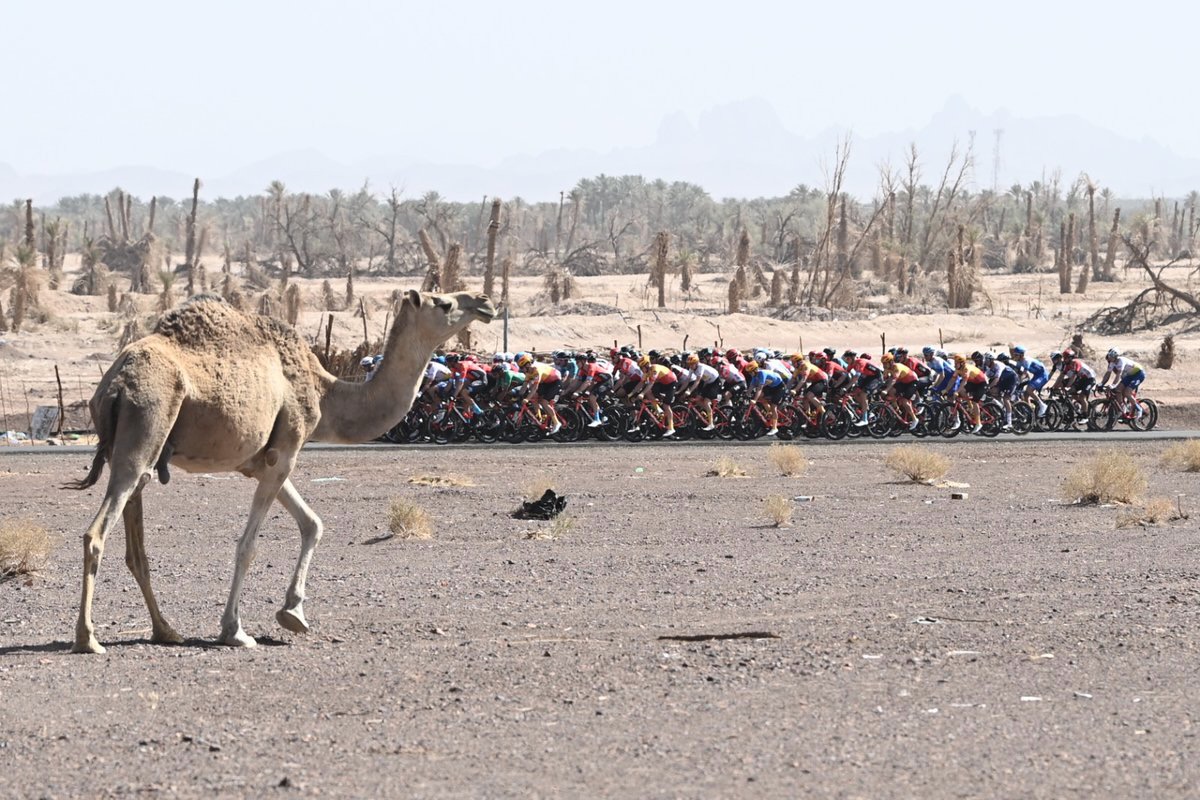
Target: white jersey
{"x": 777, "y": 365}
{"x": 436, "y": 372}
{"x": 1124, "y": 367}
{"x": 704, "y": 373}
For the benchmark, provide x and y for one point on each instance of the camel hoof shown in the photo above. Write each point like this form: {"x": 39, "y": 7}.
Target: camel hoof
{"x": 166, "y": 636}
{"x": 292, "y": 620}
{"x": 88, "y": 646}
{"x": 238, "y": 638}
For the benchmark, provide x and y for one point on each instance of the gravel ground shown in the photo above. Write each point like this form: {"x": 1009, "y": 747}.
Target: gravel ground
{"x": 1000, "y": 646}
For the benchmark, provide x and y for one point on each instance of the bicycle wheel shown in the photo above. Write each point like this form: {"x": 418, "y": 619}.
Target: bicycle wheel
{"x": 723, "y": 420}
{"x": 635, "y": 427}
{"x": 1022, "y": 418}
{"x": 879, "y": 421}
{"x": 613, "y": 421}
{"x": 571, "y": 423}
{"x": 442, "y": 426}
{"x": 1149, "y": 417}
{"x": 950, "y": 421}
{"x": 489, "y": 426}
{"x": 836, "y": 423}
{"x": 1102, "y": 414}
{"x": 991, "y": 417}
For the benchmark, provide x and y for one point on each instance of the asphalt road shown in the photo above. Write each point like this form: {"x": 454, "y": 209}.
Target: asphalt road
{"x": 1032, "y": 438}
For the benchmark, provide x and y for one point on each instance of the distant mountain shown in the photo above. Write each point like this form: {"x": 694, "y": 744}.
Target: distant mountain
{"x": 739, "y": 149}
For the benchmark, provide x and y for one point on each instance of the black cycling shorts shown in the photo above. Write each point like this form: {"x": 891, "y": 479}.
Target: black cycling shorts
{"x": 665, "y": 392}
{"x": 906, "y": 390}
{"x": 773, "y": 394}
{"x": 549, "y": 391}
{"x": 975, "y": 391}
{"x": 817, "y": 389}
{"x": 868, "y": 383}
{"x": 710, "y": 390}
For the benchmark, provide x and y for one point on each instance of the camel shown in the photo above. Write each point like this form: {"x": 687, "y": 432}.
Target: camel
{"x": 216, "y": 390}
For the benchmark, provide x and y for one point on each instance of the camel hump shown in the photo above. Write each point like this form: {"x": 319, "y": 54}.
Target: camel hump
{"x": 201, "y": 320}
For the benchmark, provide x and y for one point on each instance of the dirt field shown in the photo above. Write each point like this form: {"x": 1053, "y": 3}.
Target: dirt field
{"x": 1001, "y": 646}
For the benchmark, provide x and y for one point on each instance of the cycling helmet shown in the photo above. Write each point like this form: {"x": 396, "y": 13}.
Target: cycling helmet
{"x": 830, "y": 352}
{"x": 452, "y": 358}
{"x": 751, "y": 367}
{"x": 941, "y": 354}
{"x": 693, "y": 359}
{"x": 644, "y": 362}
{"x": 1017, "y": 350}
{"x": 960, "y": 360}
{"x": 367, "y": 363}
{"x": 439, "y": 359}
{"x": 989, "y": 357}
{"x": 560, "y": 355}
{"x": 675, "y": 359}
{"x": 901, "y": 352}
{"x": 928, "y": 351}
{"x": 524, "y": 360}
{"x": 888, "y": 359}
{"x": 732, "y": 353}
{"x": 813, "y": 355}
{"x": 1067, "y": 354}
{"x": 498, "y": 358}
{"x": 849, "y": 355}
{"x": 865, "y": 356}
{"x": 1113, "y": 354}
{"x": 1003, "y": 358}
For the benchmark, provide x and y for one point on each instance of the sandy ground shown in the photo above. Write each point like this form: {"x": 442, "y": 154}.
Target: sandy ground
{"x": 81, "y": 337}
{"x": 1002, "y": 646}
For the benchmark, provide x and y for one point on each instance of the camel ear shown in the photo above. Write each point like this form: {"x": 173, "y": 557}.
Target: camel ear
{"x": 413, "y": 297}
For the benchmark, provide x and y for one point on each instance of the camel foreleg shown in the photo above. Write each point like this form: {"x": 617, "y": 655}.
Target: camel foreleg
{"x": 291, "y": 616}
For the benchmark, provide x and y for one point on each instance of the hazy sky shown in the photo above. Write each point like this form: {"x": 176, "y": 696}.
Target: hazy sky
{"x": 209, "y": 86}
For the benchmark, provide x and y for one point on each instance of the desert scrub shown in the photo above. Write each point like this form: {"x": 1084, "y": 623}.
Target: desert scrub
{"x": 409, "y": 521}
{"x": 917, "y": 464}
{"x": 1183, "y": 456}
{"x": 788, "y": 459}
{"x": 1109, "y": 477}
{"x": 726, "y": 467}
{"x": 24, "y": 547}
{"x": 779, "y": 510}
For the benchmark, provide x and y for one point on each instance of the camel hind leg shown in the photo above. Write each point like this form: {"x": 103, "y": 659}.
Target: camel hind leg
{"x": 141, "y": 432}
{"x": 139, "y": 565}
{"x": 291, "y": 616}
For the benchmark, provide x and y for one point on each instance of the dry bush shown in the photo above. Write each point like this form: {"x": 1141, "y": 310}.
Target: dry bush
{"x": 441, "y": 480}
{"x": 788, "y": 459}
{"x": 779, "y": 510}
{"x": 1154, "y": 511}
{"x": 1166, "y": 353}
{"x": 536, "y": 486}
{"x": 918, "y": 464}
{"x": 409, "y": 520}
{"x": 726, "y": 467}
{"x": 1183, "y": 455}
{"x": 1110, "y": 477}
{"x": 559, "y": 527}
{"x": 24, "y": 547}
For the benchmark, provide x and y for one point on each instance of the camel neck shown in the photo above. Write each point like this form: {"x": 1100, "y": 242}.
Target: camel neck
{"x": 354, "y": 411}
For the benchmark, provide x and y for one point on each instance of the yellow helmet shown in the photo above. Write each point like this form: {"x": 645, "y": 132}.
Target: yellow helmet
{"x": 751, "y": 367}
{"x": 644, "y": 362}
{"x": 960, "y": 360}
{"x": 693, "y": 360}
{"x": 888, "y": 358}
{"x": 525, "y": 360}
{"x": 796, "y": 358}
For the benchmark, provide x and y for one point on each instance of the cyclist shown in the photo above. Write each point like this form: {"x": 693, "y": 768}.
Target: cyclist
{"x": 368, "y": 368}
{"x": 1077, "y": 380}
{"x": 467, "y": 378}
{"x": 870, "y": 378}
{"x": 595, "y": 378}
{"x": 1129, "y": 376}
{"x": 1003, "y": 378}
{"x": 434, "y": 382}
{"x": 542, "y": 383}
{"x": 658, "y": 386}
{"x": 705, "y": 382}
{"x": 941, "y": 371}
{"x": 901, "y": 384}
{"x": 971, "y": 386}
{"x": 1038, "y": 377}
{"x": 813, "y": 381}
{"x": 766, "y": 387}
{"x": 626, "y": 373}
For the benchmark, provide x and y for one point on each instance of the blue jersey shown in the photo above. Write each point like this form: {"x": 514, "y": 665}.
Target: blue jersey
{"x": 1035, "y": 368}
{"x": 766, "y": 378}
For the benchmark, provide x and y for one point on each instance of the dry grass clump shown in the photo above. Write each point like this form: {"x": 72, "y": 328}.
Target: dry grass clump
{"x": 788, "y": 459}
{"x": 446, "y": 480}
{"x": 1110, "y": 477}
{"x": 1183, "y": 455}
{"x": 536, "y": 486}
{"x": 559, "y": 527}
{"x": 24, "y": 547}
{"x": 726, "y": 467}
{"x": 1154, "y": 511}
{"x": 409, "y": 520}
{"x": 779, "y": 510}
{"x": 918, "y": 464}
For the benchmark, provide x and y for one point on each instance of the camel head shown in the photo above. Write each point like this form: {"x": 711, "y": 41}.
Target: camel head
{"x": 441, "y": 316}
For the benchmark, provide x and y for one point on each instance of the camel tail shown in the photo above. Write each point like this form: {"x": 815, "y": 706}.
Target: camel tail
{"x": 105, "y": 418}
